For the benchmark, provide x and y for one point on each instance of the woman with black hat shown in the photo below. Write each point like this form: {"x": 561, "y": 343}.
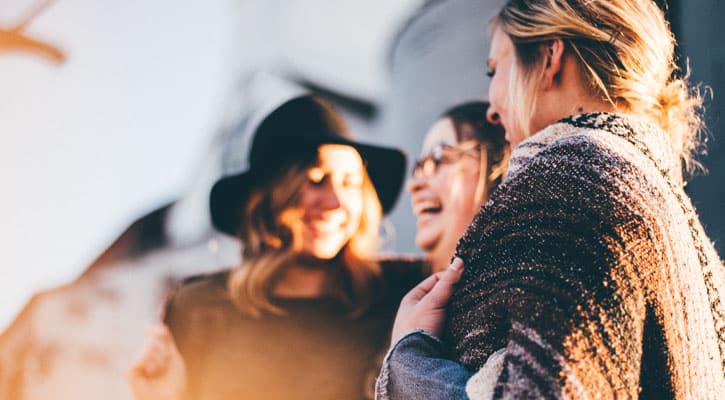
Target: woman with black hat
{"x": 309, "y": 309}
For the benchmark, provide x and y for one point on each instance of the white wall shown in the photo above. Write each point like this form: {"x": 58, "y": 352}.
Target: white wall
{"x": 87, "y": 146}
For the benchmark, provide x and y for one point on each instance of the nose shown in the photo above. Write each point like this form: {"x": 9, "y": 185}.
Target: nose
{"x": 492, "y": 116}
{"x": 330, "y": 198}
{"x": 415, "y": 184}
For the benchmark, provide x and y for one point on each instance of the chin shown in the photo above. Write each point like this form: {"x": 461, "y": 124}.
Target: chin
{"x": 325, "y": 251}
{"x": 426, "y": 243}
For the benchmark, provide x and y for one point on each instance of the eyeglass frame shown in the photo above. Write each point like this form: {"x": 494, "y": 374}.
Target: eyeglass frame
{"x": 428, "y": 165}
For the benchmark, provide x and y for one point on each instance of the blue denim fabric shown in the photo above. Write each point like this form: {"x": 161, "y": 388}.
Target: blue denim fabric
{"x": 416, "y": 368}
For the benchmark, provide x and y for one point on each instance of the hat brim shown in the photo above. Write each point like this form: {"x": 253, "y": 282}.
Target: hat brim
{"x": 385, "y": 166}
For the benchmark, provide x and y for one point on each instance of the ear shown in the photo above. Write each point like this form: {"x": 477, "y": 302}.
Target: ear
{"x": 554, "y": 57}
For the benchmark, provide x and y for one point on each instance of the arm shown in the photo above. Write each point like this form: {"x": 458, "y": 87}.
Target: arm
{"x": 416, "y": 367}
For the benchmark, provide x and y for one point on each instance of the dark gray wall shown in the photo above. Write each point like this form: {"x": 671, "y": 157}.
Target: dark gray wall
{"x": 698, "y": 25}
{"x": 436, "y": 62}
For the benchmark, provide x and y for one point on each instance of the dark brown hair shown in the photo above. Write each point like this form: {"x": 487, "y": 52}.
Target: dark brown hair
{"x": 470, "y": 123}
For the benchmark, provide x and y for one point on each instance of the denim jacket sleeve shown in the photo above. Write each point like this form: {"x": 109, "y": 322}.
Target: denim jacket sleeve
{"x": 416, "y": 368}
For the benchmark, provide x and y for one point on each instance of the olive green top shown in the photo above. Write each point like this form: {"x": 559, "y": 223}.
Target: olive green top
{"x": 314, "y": 352}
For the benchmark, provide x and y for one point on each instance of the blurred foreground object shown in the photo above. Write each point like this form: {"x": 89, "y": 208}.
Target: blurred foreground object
{"x": 78, "y": 340}
{"x": 16, "y": 40}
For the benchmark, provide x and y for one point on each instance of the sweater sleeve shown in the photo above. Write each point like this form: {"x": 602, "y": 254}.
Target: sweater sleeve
{"x": 416, "y": 367}
{"x": 553, "y": 275}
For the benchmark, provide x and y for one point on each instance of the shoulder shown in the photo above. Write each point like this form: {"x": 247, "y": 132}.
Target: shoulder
{"x": 624, "y": 144}
{"x": 198, "y": 291}
{"x": 402, "y": 273}
{"x": 571, "y": 177}
{"x": 404, "y": 268}
{"x": 567, "y": 159}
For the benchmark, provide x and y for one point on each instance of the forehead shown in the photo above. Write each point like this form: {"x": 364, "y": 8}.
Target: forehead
{"x": 442, "y": 131}
{"x": 339, "y": 157}
{"x": 501, "y": 45}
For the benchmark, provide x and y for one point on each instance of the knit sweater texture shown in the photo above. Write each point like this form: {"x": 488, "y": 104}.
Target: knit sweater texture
{"x": 590, "y": 267}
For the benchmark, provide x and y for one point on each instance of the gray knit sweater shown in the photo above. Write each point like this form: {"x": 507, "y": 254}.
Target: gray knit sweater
{"x": 590, "y": 267}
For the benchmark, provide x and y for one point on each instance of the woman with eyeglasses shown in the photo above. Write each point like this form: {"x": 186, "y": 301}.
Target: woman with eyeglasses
{"x": 464, "y": 157}
{"x": 588, "y": 273}
{"x": 462, "y": 147}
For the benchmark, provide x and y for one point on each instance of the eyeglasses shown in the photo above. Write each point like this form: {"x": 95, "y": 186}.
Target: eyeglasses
{"x": 427, "y": 166}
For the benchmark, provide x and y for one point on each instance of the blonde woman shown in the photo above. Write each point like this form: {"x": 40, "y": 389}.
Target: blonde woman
{"x": 309, "y": 309}
{"x": 588, "y": 273}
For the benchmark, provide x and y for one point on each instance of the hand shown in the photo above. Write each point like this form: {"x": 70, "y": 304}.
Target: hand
{"x": 424, "y": 307}
{"x": 159, "y": 373}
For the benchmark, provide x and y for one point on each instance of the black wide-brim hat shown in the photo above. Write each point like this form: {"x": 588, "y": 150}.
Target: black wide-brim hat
{"x": 292, "y": 133}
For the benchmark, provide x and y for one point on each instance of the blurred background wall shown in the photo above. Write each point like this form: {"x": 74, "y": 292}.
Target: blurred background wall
{"x": 701, "y": 39}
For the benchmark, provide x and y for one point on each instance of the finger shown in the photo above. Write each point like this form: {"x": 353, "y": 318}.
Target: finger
{"x": 136, "y": 371}
{"x": 134, "y": 376}
{"x": 157, "y": 331}
{"x": 422, "y": 289}
{"x": 156, "y": 363}
{"x": 146, "y": 367}
{"x": 160, "y": 340}
{"x": 168, "y": 353}
{"x": 443, "y": 289}
{"x": 156, "y": 354}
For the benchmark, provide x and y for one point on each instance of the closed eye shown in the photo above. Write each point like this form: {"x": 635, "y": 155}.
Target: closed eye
{"x": 352, "y": 181}
{"x": 316, "y": 176}
{"x": 490, "y": 70}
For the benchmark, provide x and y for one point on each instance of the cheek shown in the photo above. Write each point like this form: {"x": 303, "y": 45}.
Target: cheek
{"x": 440, "y": 183}
{"x": 353, "y": 204}
{"x": 305, "y": 200}
{"x": 496, "y": 94}
{"x": 461, "y": 193}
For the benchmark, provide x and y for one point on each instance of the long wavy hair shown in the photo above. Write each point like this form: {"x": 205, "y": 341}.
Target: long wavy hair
{"x": 626, "y": 53}
{"x": 271, "y": 235}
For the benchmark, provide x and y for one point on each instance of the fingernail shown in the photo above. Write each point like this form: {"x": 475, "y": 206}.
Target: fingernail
{"x": 456, "y": 264}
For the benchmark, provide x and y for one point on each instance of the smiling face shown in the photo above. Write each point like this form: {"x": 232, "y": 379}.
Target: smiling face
{"x": 331, "y": 201}
{"x": 445, "y": 202}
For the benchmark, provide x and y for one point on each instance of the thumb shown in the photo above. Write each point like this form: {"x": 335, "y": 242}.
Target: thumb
{"x": 443, "y": 289}
{"x": 423, "y": 288}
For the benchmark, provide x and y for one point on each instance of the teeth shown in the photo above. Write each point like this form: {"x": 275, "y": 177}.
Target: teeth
{"x": 326, "y": 226}
{"x": 427, "y": 206}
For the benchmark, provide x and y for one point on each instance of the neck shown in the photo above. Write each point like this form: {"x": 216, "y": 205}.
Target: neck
{"x": 440, "y": 256}
{"x": 579, "y": 103}
{"x": 304, "y": 280}
{"x": 569, "y": 95}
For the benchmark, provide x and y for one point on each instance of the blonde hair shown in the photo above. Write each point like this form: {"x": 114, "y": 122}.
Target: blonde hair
{"x": 271, "y": 237}
{"x": 626, "y": 52}
{"x": 495, "y": 161}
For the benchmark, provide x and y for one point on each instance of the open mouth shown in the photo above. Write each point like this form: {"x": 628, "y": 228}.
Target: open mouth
{"x": 428, "y": 208}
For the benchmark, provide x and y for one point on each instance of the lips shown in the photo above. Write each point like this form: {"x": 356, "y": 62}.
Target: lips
{"x": 427, "y": 207}
{"x": 326, "y": 226}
